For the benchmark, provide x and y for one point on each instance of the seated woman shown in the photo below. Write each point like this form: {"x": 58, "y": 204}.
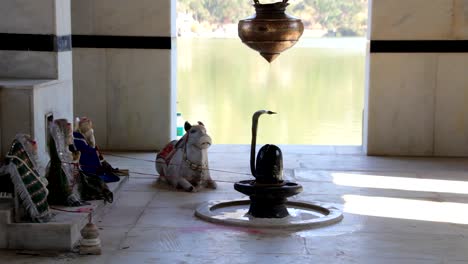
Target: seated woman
{"x": 91, "y": 161}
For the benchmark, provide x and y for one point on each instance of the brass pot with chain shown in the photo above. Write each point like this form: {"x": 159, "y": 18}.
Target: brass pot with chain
{"x": 270, "y": 30}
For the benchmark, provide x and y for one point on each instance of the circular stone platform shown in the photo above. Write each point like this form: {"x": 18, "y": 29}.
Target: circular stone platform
{"x": 303, "y": 215}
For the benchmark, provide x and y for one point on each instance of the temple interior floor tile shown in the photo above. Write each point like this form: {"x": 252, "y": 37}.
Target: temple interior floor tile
{"x": 396, "y": 210}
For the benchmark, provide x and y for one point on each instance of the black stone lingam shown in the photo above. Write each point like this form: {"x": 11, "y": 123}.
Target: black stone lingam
{"x": 268, "y": 192}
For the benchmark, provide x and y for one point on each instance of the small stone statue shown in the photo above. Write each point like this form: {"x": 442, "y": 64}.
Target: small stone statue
{"x": 91, "y": 160}
{"x": 62, "y": 172}
{"x": 30, "y": 188}
{"x": 184, "y": 163}
{"x": 93, "y": 174}
{"x": 90, "y": 243}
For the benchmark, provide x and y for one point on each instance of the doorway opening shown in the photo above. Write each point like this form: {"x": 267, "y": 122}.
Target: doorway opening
{"x": 317, "y": 87}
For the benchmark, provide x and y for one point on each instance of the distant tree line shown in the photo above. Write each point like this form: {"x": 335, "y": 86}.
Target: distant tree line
{"x": 338, "y": 17}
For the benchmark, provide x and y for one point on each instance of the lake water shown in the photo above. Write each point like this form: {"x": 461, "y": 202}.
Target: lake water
{"x": 317, "y": 88}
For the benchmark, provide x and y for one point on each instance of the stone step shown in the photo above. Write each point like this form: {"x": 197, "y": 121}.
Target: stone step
{"x": 62, "y": 233}
{"x": 6, "y": 214}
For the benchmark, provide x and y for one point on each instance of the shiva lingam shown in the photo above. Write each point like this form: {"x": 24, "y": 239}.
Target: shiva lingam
{"x": 268, "y": 192}
{"x": 268, "y": 206}
{"x": 270, "y": 30}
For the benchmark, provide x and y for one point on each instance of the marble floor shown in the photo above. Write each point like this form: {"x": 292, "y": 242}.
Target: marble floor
{"x": 396, "y": 210}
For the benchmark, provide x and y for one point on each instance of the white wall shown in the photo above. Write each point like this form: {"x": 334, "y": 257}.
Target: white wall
{"x": 24, "y": 105}
{"x": 128, "y": 92}
{"x": 44, "y": 17}
{"x": 123, "y": 18}
{"x": 32, "y": 82}
{"x": 417, "y": 103}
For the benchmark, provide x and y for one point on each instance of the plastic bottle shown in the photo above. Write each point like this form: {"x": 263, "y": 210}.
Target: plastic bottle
{"x": 180, "y": 126}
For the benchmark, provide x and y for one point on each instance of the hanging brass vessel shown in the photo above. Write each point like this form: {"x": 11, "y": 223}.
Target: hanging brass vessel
{"x": 270, "y": 30}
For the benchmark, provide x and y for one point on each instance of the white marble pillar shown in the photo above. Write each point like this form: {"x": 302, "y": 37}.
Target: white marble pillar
{"x": 124, "y": 70}
{"x": 30, "y": 31}
{"x": 417, "y": 90}
{"x": 35, "y": 68}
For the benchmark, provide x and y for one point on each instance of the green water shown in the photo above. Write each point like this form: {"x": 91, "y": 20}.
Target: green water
{"x": 317, "y": 87}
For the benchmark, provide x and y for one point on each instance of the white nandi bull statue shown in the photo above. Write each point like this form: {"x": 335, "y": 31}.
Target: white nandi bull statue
{"x": 184, "y": 163}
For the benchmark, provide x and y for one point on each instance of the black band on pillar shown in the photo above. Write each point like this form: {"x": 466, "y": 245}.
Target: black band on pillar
{"x": 35, "y": 42}
{"x": 121, "y": 42}
{"x": 419, "y": 46}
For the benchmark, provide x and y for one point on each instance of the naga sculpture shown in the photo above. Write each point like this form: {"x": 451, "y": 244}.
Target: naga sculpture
{"x": 269, "y": 169}
{"x": 184, "y": 163}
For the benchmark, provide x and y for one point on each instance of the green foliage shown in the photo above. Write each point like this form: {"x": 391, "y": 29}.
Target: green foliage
{"x": 216, "y": 11}
{"x": 339, "y": 17}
